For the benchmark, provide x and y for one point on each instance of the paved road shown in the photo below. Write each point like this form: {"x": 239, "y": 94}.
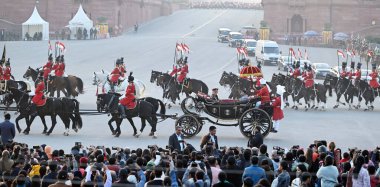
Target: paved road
{"x": 152, "y": 49}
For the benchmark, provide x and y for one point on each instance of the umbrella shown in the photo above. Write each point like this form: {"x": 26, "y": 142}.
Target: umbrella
{"x": 339, "y": 38}
{"x": 341, "y": 35}
{"x": 250, "y": 71}
{"x": 311, "y": 33}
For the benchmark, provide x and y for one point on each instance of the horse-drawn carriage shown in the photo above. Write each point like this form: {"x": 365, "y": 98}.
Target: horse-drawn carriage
{"x": 241, "y": 113}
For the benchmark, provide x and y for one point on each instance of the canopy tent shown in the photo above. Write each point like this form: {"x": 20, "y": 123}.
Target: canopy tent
{"x": 249, "y": 71}
{"x": 80, "y": 22}
{"x": 35, "y": 24}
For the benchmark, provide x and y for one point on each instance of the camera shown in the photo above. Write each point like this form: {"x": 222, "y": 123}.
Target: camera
{"x": 280, "y": 151}
{"x": 181, "y": 141}
{"x": 320, "y": 142}
{"x": 233, "y": 148}
{"x": 68, "y": 156}
{"x": 296, "y": 147}
{"x": 78, "y": 144}
{"x": 151, "y": 146}
{"x": 36, "y": 147}
{"x": 115, "y": 148}
{"x": 100, "y": 147}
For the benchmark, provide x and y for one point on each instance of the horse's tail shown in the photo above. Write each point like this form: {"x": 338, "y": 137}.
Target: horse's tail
{"x": 79, "y": 85}
{"x": 162, "y": 107}
{"x": 78, "y": 118}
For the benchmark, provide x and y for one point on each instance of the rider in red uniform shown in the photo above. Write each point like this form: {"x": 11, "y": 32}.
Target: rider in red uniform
{"x": 374, "y": 75}
{"x": 344, "y": 72}
{"x": 183, "y": 72}
{"x": 263, "y": 93}
{"x": 61, "y": 68}
{"x": 352, "y": 69}
{"x": 129, "y": 100}
{"x": 7, "y": 71}
{"x": 48, "y": 67}
{"x": 56, "y": 64}
{"x": 296, "y": 72}
{"x": 309, "y": 78}
{"x": 123, "y": 70}
{"x": 115, "y": 75}
{"x": 1, "y": 71}
{"x": 357, "y": 75}
{"x": 39, "y": 97}
{"x": 304, "y": 70}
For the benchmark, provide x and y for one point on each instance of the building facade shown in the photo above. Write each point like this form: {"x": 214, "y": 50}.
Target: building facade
{"x": 287, "y": 17}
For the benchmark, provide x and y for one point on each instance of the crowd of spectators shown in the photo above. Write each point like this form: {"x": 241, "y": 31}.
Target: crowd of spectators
{"x": 224, "y": 5}
{"x": 315, "y": 165}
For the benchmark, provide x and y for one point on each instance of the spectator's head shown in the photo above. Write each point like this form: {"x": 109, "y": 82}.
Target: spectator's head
{"x": 289, "y": 156}
{"x": 275, "y": 156}
{"x": 263, "y": 149}
{"x": 331, "y": 146}
{"x": 255, "y": 151}
{"x": 178, "y": 130}
{"x": 167, "y": 181}
{"x": 53, "y": 165}
{"x": 254, "y": 160}
{"x": 371, "y": 169}
{"x": 212, "y": 130}
{"x": 212, "y": 161}
{"x": 322, "y": 149}
{"x": 7, "y": 116}
{"x": 123, "y": 174}
{"x": 112, "y": 160}
{"x": 199, "y": 175}
{"x": 346, "y": 167}
{"x": 329, "y": 160}
{"x": 283, "y": 166}
{"x": 42, "y": 170}
{"x": 62, "y": 175}
{"x": 247, "y": 182}
{"x": 346, "y": 155}
{"x": 305, "y": 178}
{"x": 231, "y": 161}
{"x": 36, "y": 181}
{"x": 76, "y": 182}
{"x": 158, "y": 171}
{"x": 247, "y": 154}
{"x": 264, "y": 182}
{"x": 358, "y": 163}
{"x": 192, "y": 173}
{"x": 100, "y": 159}
{"x": 222, "y": 176}
{"x": 302, "y": 158}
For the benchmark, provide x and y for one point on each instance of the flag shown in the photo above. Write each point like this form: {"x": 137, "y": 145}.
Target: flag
{"x": 353, "y": 52}
{"x": 61, "y": 46}
{"x": 178, "y": 47}
{"x": 292, "y": 52}
{"x": 3, "y": 57}
{"x": 340, "y": 53}
{"x": 185, "y": 48}
{"x": 348, "y": 53}
{"x": 50, "y": 48}
{"x": 299, "y": 53}
{"x": 370, "y": 53}
{"x": 306, "y": 55}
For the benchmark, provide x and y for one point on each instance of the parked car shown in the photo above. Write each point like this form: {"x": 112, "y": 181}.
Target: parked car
{"x": 223, "y": 34}
{"x": 267, "y": 52}
{"x": 250, "y": 45}
{"x": 365, "y": 72}
{"x": 320, "y": 70}
{"x": 284, "y": 63}
{"x": 235, "y": 39}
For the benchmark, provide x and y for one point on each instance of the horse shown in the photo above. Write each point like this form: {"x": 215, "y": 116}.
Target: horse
{"x": 70, "y": 85}
{"x": 100, "y": 79}
{"x": 343, "y": 87}
{"x": 146, "y": 111}
{"x": 65, "y": 108}
{"x": 368, "y": 93}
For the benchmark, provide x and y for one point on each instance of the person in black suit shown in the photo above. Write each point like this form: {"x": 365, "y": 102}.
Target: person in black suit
{"x": 177, "y": 140}
{"x": 7, "y": 130}
{"x": 157, "y": 181}
{"x": 214, "y": 95}
{"x": 256, "y": 139}
{"x": 210, "y": 139}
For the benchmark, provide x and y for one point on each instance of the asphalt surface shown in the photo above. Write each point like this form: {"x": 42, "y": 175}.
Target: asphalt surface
{"x": 152, "y": 48}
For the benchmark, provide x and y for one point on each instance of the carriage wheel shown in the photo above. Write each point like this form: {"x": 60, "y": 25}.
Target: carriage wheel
{"x": 252, "y": 118}
{"x": 189, "y": 124}
{"x": 188, "y": 106}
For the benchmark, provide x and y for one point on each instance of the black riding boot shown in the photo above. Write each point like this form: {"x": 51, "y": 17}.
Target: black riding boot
{"x": 112, "y": 87}
{"x": 122, "y": 111}
{"x": 33, "y": 110}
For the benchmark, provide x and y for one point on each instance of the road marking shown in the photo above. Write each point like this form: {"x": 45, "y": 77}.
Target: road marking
{"x": 204, "y": 24}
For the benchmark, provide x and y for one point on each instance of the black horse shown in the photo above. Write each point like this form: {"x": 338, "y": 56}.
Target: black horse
{"x": 368, "y": 93}
{"x": 343, "y": 87}
{"x": 238, "y": 86}
{"x": 65, "y": 108}
{"x": 6, "y": 85}
{"x": 145, "y": 110}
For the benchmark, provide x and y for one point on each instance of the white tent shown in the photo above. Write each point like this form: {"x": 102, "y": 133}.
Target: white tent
{"x": 35, "y": 24}
{"x": 80, "y": 21}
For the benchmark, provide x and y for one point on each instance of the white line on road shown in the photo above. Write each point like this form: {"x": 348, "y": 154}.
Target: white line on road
{"x": 204, "y": 24}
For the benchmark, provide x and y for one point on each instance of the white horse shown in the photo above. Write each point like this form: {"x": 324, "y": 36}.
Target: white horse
{"x": 101, "y": 81}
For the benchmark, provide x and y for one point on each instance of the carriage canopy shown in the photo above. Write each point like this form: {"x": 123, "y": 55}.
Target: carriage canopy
{"x": 249, "y": 71}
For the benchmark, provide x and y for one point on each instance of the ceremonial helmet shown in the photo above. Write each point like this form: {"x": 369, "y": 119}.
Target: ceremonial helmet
{"x": 352, "y": 65}
{"x": 185, "y": 61}
{"x": 305, "y": 66}
{"x": 344, "y": 64}
{"x": 298, "y": 64}
{"x": 122, "y": 60}
{"x": 117, "y": 61}
{"x": 373, "y": 66}
{"x": 50, "y": 57}
{"x": 294, "y": 64}
{"x": 8, "y": 63}
{"x": 62, "y": 59}
{"x": 309, "y": 67}
{"x": 130, "y": 77}
{"x": 359, "y": 65}
{"x": 58, "y": 58}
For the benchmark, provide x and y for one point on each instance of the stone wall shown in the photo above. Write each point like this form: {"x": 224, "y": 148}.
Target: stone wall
{"x": 58, "y": 13}
{"x": 349, "y": 16}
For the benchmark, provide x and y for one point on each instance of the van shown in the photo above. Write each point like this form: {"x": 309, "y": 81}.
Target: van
{"x": 267, "y": 52}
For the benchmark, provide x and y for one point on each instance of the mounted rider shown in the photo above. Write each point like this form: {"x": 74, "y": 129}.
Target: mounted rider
{"x": 39, "y": 98}
{"x": 183, "y": 72}
{"x": 357, "y": 75}
{"x": 61, "y": 67}
{"x": 115, "y": 75}
{"x": 7, "y": 71}
{"x": 374, "y": 83}
{"x": 1, "y": 70}
{"x": 303, "y": 74}
{"x": 47, "y": 67}
{"x": 123, "y": 70}
{"x": 129, "y": 101}
{"x": 309, "y": 78}
{"x": 263, "y": 94}
{"x": 352, "y": 70}
{"x": 344, "y": 72}
{"x": 176, "y": 70}
{"x": 296, "y": 72}
{"x": 56, "y": 64}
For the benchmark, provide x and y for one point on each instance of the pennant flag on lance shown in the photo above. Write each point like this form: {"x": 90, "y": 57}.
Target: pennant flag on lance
{"x": 340, "y": 53}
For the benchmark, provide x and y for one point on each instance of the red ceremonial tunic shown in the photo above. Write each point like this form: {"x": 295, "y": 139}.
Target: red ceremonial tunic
{"x": 343, "y": 74}
{"x": 258, "y": 81}
{"x": 296, "y": 73}
{"x": 183, "y": 73}
{"x": 174, "y": 71}
{"x": 7, "y": 73}
{"x": 278, "y": 114}
{"x": 309, "y": 79}
{"x": 39, "y": 93}
{"x": 122, "y": 71}
{"x": 373, "y": 82}
{"x": 60, "y": 70}
{"x": 55, "y": 66}
{"x": 358, "y": 74}
{"x": 115, "y": 75}
{"x": 1, "y": 73}
{"x": 263, "y": 93}
{"x": 129, "y": 99}
{"x": 47, "y": 69}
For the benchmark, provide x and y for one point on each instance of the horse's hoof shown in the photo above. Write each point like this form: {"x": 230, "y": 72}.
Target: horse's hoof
{"x": 26, "y": 132}
{"x": 316, "y": 108}
{"x": 75, "y": 130}
{"x": 336, "y": 106}
{"x": 306, "y": 109}
{"x": 113, "y": 133}
{"x": 19, "y": 130}
{"x": 135, "y": 133}
{"x": 117, "y": 135}
{"x": 151, "y": 133}
{"x": 312, "y": 106}
{"x": 296, "y": 108}
{"x": 366, "y": 109}
{"x": 293, "y": 107}
{"x": 48, "y": 133}
{"x": 66, "y": 134}
{"x": 344, "y": 104}
{"x": 44, "y": 132}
